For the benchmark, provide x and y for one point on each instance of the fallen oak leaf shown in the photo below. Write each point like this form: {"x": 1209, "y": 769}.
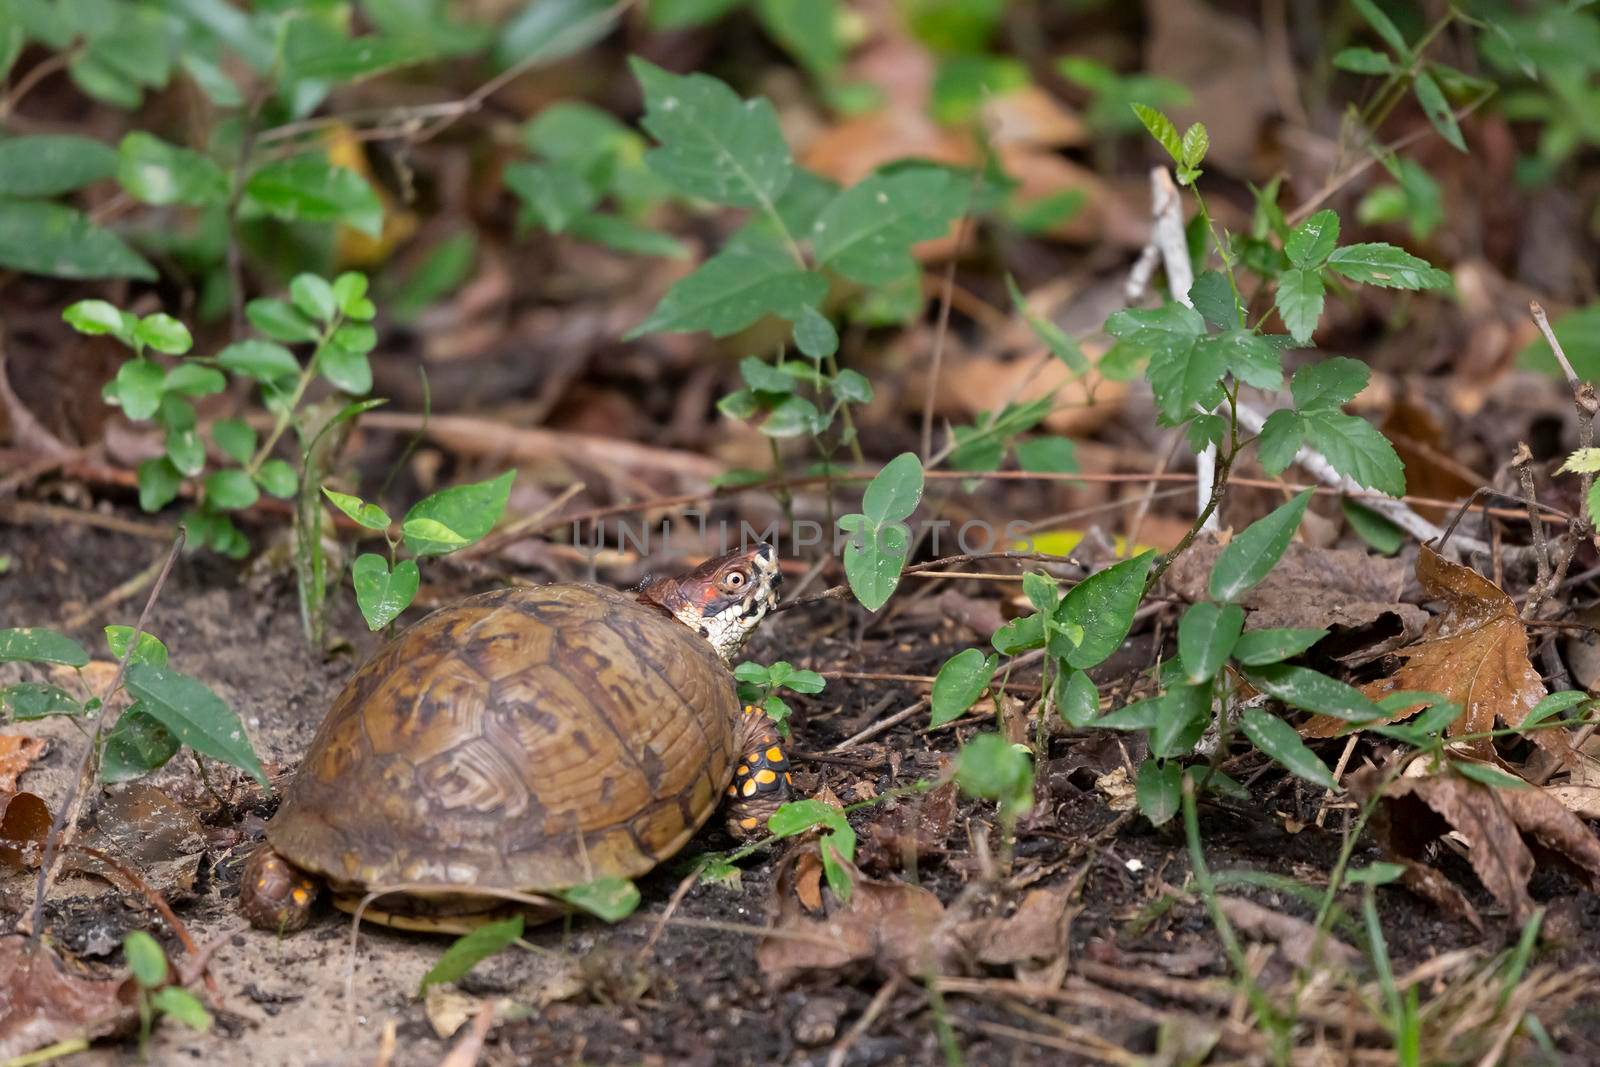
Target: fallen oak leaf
{"x": 17, "y": 753}
{"x": 1475, "y": 655}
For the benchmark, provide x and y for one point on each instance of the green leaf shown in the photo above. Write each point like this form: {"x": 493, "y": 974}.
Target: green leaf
{"x": 230, "y": 490}
{"x": 278, "y": 479}
{"x": 1206, "y": 637}
{"x": 989, "y": 767}
{"x": 712, "y": 144}
{"x": 191, "y": 379}
{"x": 466, "y": 511}
{"x": 309, "y": 188}
{"x": 1437, "y": 108}
{"x": 1158, "y": 788}
{"x": 873, "y": 560}
{"x": 625, "y": 235}
{"x": 470, "y": 950}
{"x": 548, "y": 30}
{"x": 311, "y": 51}
{"x": 135, "y": 746}
{"x": 1299, "y": 300}
{"x": 608, "y": 899}
{"x": 1493, "y": 777}
{"x": 1257, "y": 648}
{"x": 313, "y": 297}
{"x": 814, "y": 334}
{"x": 555, "y": 194}
{"x": 195, "y": 715}
{"x": 383, "y": 595}
{"x": 137, "y": 388}
{"x": 1328, "y": 384}
{"x": 895, "y": 491}
{"x": 1376, "y": 874}
{"x": 1212, "y": 296}
{"x": 1256, "y": 550}
{"x": 1077, "y": 700}
{"x": 211, "y": 80}
{"x": 733, "y": 290}
{"x": 867, "y": 231}
{"x": 35, "y": 644}
{"x": 1279, "y": 442}
{"x": 960, "y": 682}
{"x": 280, "y": 321}
{"x": 1140, "y": 715}
{"x": 60, "y": 242}
{"x": 344, "y": 367}
{"x": 369, "y": 515}
{"x": 807, "y": 30}
{"x": 1061, "y": 346}
{"x": 1387, "y": 266}
{"x": 1356, "y": 449}
{"x": 852, "y": 387}
{"x": 1311, "y": 242}
{"x": 97, "y": 317}
{"x": 1252, "y": 358}
{"x": 52, "y": 164}
{"x": 1309, "y": 690}
{"x": 1185, "y": 713}
{"x": 1019, "y": 635}
{"x": 440, "y": 273}
{"x": 178, "y": 1003}
{"x": 148, "y": 650}
{"x": 35, "y": 700}
{"x": 1363, "y": 61}
{"x": 145, "y": 958}
{"x": 838, "y": 842}
{"x": 1041, "y": 591}
{"x": 1552, "y": 705}
{"x": 1377, "y": 531}
{"x": 1385, "y": 28}
{"x": 1196, "y": 142}
{"x": 1103, "y": 605}
{"x": 235, "y": 437}
{"x": 164, "y": 334}
{"x": 1279, "y": 742}
{"x": 1169, "y": 336}
{"x": 159, "y": 482}
{"x": 1162, "y": 129}
{"x": 262, "y": 360}
{"x": 1055, "y": 455}
{"x": 155, "y": 172}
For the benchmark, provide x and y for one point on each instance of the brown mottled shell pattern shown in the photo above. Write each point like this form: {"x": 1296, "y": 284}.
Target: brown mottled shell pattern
{"x": 531, "y": 739}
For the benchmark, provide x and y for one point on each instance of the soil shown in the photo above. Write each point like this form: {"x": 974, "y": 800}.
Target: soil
{"x": 597, "y": 994}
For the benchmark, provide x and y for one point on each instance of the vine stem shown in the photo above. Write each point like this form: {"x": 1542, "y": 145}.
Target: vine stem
{"x": 287, "y": 415}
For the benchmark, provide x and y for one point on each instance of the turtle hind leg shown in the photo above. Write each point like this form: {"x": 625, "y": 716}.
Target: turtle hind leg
{"x": 761, "y": 781}
{"x": 274, "y": 894}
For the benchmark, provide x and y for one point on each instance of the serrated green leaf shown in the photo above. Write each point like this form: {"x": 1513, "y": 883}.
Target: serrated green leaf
{"x": 195, "y": 715}
{"x": 1206, "y": 636}
{"x": 1279, "y": 742}
{"x": 1328, "y": 384}
{"x": 60, "y": 242}
{"x": 52, "y": 164}
{"x": 867, "y": 231}
{"x": 155, "y": 172}
{"x": 470, "y": 950}
{"x": 555, "y": 194}
{"x": 467, "y": 512}
{"x": 1299, "y": 299}
{"x": 1188, "y": 377}
{"x": 1253, "y": 358}
{"x": 1387, "y": 266}
{"x": 1257, "y": 648}
{"x": 732, "y": 290}
{"x": 1196, "y": 142}
{"x": 1212, "y": 296}
{"x": 1162, "y": 129}
{"x": 1356, "y": 449}
{"x": 712, "y": 144}
{"x": 1256, "y": 550}
{"x": 1311, "y": 242}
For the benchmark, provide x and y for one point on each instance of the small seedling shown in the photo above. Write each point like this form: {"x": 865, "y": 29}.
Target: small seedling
{"x": 157, "y": 996}
{"x": 760, "y": 686}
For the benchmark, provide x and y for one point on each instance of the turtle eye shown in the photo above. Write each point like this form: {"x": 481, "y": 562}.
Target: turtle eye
{"x": 732, "y": 582}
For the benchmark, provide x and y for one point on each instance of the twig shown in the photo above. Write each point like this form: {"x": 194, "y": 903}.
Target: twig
{"x": 942, "y": 330}
{"x": 879, "y": 727}
{"x": 839, "y": 592}
{"x": 41, "y": 70}
{"x": 1587, "y": 405}
{"x": 1521, "y": 462}
{"x": 67, "y": 815}
{"x": 841, "y": 1048}
{"x": 127, "y": 589}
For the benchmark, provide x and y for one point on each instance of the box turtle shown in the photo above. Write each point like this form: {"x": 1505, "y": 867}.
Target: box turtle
{"x": 531, "y": 740}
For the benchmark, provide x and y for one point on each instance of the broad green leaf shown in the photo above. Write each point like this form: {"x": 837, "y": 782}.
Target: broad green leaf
{"x": 43, "y": 238}
{"x": 1552, "y": 705}
{"x": 1253, "y": 358}
{"x": 1258, "y": 648}
{"x": 1492, "y": 777}
{"x": 280, "y": 320}
{"x": 1309, "y": 690}
{"x": 1256, "y": 550}
{"x": 192, "y": 379}
{"x": 1158, "y": 788}
{"x": 312, "y": 51}
{"x": 814, "y": 334}
{"x": 278, "y": 479}
{"x": 1041, "y": 591}
{"x": 350, "y": 295}
{"x": 1162, "y": 129}
{"x": 1206, "y": 637}
{"x": 1055, "y": 455}
{"x": 196, "y": 716}
{"x": 1437, "y": 108}
{"x": 467, "y": 511}
{"x": 1279, "y": 442}
{"x": 35, "y": 700}
{"x": 1103, "y": 605}
{"x": 1311, "y": 242}
{"x": 732, "y": 290}
{"x": 1187, "y": 377}
{"x": 1378, "y": 532}
{"x": 186, "y": 451}
{"x": 470, "y": 950}
{"x": 1387, "y": 266}
{"x": 1279, "y": 741}
{"x": 1328, "y": 384}
{"x": 852, "y": 387}
{"x": 1299, "y": 300}
{"x": 51, "y": 164}
{"x": 35, "y": 644}
{"x": 1196, "y": 143}
{"x": 608, "y": 899}
{"x": 155, "y": 172}
{"x": 866, "y": 233}
{"x": 1185, "y": 713}
{"x": 137, "y": 388}
{"x": 873, "y": 560}
{"x": 991, "y": 768}
{"x": 712, "y": 144}
{"x": 264, "y": 361}
{"x": 625, "y": 235}
{"x": 555, "y": 194}
{"x": 164, "y": 334}
{"x": 135, "y": 746}
{"x": 548, "y": 30}
{"x": 97, "y": 317}
{"x": 345, "y": 368}
{"x": 313, "y": 297}
{"x": 382, "y": 595}
{"x": 838, "y": 842}
{"x": 159, "y": 482}
{"x": 230, "y": 490}
{"x": 894, "y": 491}
{"x": 1356, "y": 449}
{"x": 1019, "y": 635}
{"x": 235, "y": 437}
{"x": 1212, "y": 296}
{"x": 793, "y": 416}
{"x": 178, "y": 1003}
{"x": 149, "y": 648}
{"x": 1139, "y": 715}
{"x": 369, "y": 515}
{"x": 1077, "y": 700}
{"x": 807, "y": 30}
{"x": 145, "y": 959}
{"x": 309, "y": 188}
{"x": 960, "y": 682}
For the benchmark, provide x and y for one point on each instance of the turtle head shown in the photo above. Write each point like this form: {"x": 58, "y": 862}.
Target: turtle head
{"x": 724, "y": 599}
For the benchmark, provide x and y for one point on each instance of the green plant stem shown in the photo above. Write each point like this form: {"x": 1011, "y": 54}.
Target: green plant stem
{"x": 286, "y": 416}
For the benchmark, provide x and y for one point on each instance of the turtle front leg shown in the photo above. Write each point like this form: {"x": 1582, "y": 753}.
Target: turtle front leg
{"x": 761, "y": 782}
{"x": 274, "y": 894}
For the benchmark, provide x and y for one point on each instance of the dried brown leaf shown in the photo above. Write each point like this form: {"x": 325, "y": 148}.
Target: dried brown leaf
{"x": 1582, "y": 800}
{"x": 24, "y": 825}
{"x": 1557, "y": 834}
{"x": 1476, "y": 654}
{"x": 1295, "y": 937}
{"x": 17, "y": 754}
{"x": 42, "y": 1002}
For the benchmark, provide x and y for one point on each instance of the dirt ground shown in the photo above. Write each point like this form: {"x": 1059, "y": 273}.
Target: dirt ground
{"x": 589, "y": 993}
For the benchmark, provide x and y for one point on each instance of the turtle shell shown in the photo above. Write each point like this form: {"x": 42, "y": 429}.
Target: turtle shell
{"x": 530, "y": 739}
